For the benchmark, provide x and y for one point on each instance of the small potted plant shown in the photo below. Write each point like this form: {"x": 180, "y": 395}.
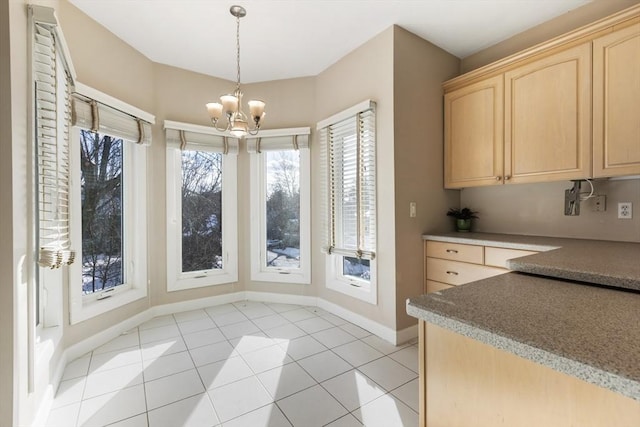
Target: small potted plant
{"x": 463, "y": 218}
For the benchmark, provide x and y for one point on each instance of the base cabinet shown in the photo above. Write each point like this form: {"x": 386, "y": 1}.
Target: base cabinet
{"x": 465, "y": 383}
{"x": 452, "y": 264}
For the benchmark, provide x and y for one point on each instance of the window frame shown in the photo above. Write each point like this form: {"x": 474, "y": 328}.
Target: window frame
{"x": 134, "y": 183}
{"x": 176, "y": 279}
{"x": 335, "y": 279}
{"x": 134, "y": 235}
{"x": 258, "y": 229}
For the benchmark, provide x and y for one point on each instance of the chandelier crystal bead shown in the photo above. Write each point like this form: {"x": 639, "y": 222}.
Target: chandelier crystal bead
{"x": 231, "y": 105}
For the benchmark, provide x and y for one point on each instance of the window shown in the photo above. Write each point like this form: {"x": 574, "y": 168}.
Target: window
{"x": 348, "y": 148}
{"x": 108, "y": 202}
{"x": 101, "y": 162}
{"x": 280, "y": 206}
{"x": 201, "y": 207}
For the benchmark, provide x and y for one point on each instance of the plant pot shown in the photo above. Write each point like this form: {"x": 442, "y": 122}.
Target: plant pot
{"x": 463, "y": 225}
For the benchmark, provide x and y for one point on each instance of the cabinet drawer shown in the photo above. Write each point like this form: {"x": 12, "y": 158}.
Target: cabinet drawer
{"x": 458, "y": 273}
{"x": 497, "y": 257}
{"x": 455, "y": 252}
{"x": 433, "y": 286}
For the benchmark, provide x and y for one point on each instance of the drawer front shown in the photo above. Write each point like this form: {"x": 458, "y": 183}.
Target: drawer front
{"x": 497, "y": 257}
{"x": 433, "y": 286}
{"x": 455, "y": 252}
{"x": 458, "y": 273}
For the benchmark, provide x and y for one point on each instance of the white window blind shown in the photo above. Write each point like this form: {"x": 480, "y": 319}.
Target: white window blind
{"x": 90, "y": 114}
{"x": 52, "y": 82}
{"x": 186, "y": 136}
{"x": 348, "y": 153}
{"x": 292, "y": 139}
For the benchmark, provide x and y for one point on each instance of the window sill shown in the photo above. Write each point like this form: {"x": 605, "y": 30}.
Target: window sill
{"x": 367, "y": 294}
{"x": 87, "y": 310}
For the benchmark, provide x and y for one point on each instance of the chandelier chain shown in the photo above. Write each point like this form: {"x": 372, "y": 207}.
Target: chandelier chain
{"x": 238, "y": 50}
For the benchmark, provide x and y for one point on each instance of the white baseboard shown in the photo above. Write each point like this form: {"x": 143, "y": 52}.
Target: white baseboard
{"x": 196, "y": 304}
{"x": 282, "y": 298}
{"x": 104, "y": 336}
{"x": 407, "y": 334}
{"x": 382, "y": 331}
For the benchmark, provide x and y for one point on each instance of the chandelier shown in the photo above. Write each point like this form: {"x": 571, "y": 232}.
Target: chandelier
{"x": 231, "y": 105}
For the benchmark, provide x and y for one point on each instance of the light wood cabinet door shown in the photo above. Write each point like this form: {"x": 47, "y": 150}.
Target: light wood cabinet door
{"x": 473, "y": 134}
{"x": 616, "y": 103}
{"x": 548, "y": 118}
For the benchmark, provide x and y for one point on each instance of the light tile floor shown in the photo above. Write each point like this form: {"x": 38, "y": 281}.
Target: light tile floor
{"x": 246, "y": 364}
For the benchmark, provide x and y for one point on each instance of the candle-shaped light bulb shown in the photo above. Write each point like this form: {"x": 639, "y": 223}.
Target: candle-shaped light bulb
{"x": 256, "y": 109}
{"x": 215, "y": 110}
{"x": 229, "y": 103}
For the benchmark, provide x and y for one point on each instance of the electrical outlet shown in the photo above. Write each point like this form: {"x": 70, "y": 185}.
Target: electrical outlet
{"x": 599, "y": 203}
{"x": 625, "y": 210}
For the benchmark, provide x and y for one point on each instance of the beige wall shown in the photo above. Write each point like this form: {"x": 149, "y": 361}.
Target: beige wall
{"x": 106, "y": 63}
{"x": 365, "y": 73}
{"x": 538, "y": 209}
{"x": 419, "y": 69}
{"x": 571, "y": 20}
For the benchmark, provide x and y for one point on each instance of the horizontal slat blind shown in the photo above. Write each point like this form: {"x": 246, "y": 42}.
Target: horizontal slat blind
{"x": 92, "y": 115}
{"x": 52, "y": 115}
{"x": 199, "y": 141}
{"x": 348, "y": 148}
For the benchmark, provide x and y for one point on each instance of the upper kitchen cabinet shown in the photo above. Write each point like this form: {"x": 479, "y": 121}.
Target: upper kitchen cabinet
{"x": 473, "y": 133}
{"x": 548, "y": 118}
{"x": 616, "y": 103}
{"x": 565, "y": 109}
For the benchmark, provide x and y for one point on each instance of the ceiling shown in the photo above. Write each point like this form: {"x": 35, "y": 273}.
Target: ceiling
{"x": 282, "y": 39}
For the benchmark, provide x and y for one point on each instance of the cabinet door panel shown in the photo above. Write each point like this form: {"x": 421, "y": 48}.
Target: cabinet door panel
{"x": 474, "y": 134}
{"x": 547, "y": 118}
{"x": 616, "y": 103}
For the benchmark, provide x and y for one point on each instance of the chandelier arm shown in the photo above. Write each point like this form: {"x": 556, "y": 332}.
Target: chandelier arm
{"x": 215, "y": 125}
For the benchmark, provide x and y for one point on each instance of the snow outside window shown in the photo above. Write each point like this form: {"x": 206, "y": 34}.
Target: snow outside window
{"x": 348, "y": 162}
{"x": 201, "y": 207}
{"x": 280, "y": 206}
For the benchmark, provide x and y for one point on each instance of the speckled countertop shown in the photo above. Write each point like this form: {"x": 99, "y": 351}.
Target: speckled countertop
{"x": 602, "y": 262}
{"x": 588, "y": 331}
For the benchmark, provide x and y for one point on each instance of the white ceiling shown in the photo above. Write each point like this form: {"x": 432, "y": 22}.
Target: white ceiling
{"x": 282, "y": 39}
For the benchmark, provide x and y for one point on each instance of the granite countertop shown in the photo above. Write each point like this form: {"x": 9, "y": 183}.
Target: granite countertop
{"x": 589, "y": 332}
{"x": 608, "y": 263}
{"x": 565, "y": 320}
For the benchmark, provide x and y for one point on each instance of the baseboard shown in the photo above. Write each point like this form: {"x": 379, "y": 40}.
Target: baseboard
{"x": 197, "y": 304}
{"x": 103, "y": 337}
{"x": 407, "y": 334}
{"x": 282, "y": 298}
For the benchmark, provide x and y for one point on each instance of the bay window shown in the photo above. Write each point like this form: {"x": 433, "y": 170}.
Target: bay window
{"x": 201, "y": 206}
{"x": 348, "y": 161}
{"x": 108, "y": 203}
{"x": 280, "y": 205}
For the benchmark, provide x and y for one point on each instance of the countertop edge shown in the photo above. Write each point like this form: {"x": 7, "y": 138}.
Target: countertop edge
{"x": 492, "y": 242}
{"x": 590, "y": 374}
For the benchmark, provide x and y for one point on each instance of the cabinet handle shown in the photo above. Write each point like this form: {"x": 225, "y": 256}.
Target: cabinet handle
{"x": 498, "y": 178}
{"x": 452, "y": 251}
{"x": 452, "y": 273}
{"x": 507, "y": 178}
